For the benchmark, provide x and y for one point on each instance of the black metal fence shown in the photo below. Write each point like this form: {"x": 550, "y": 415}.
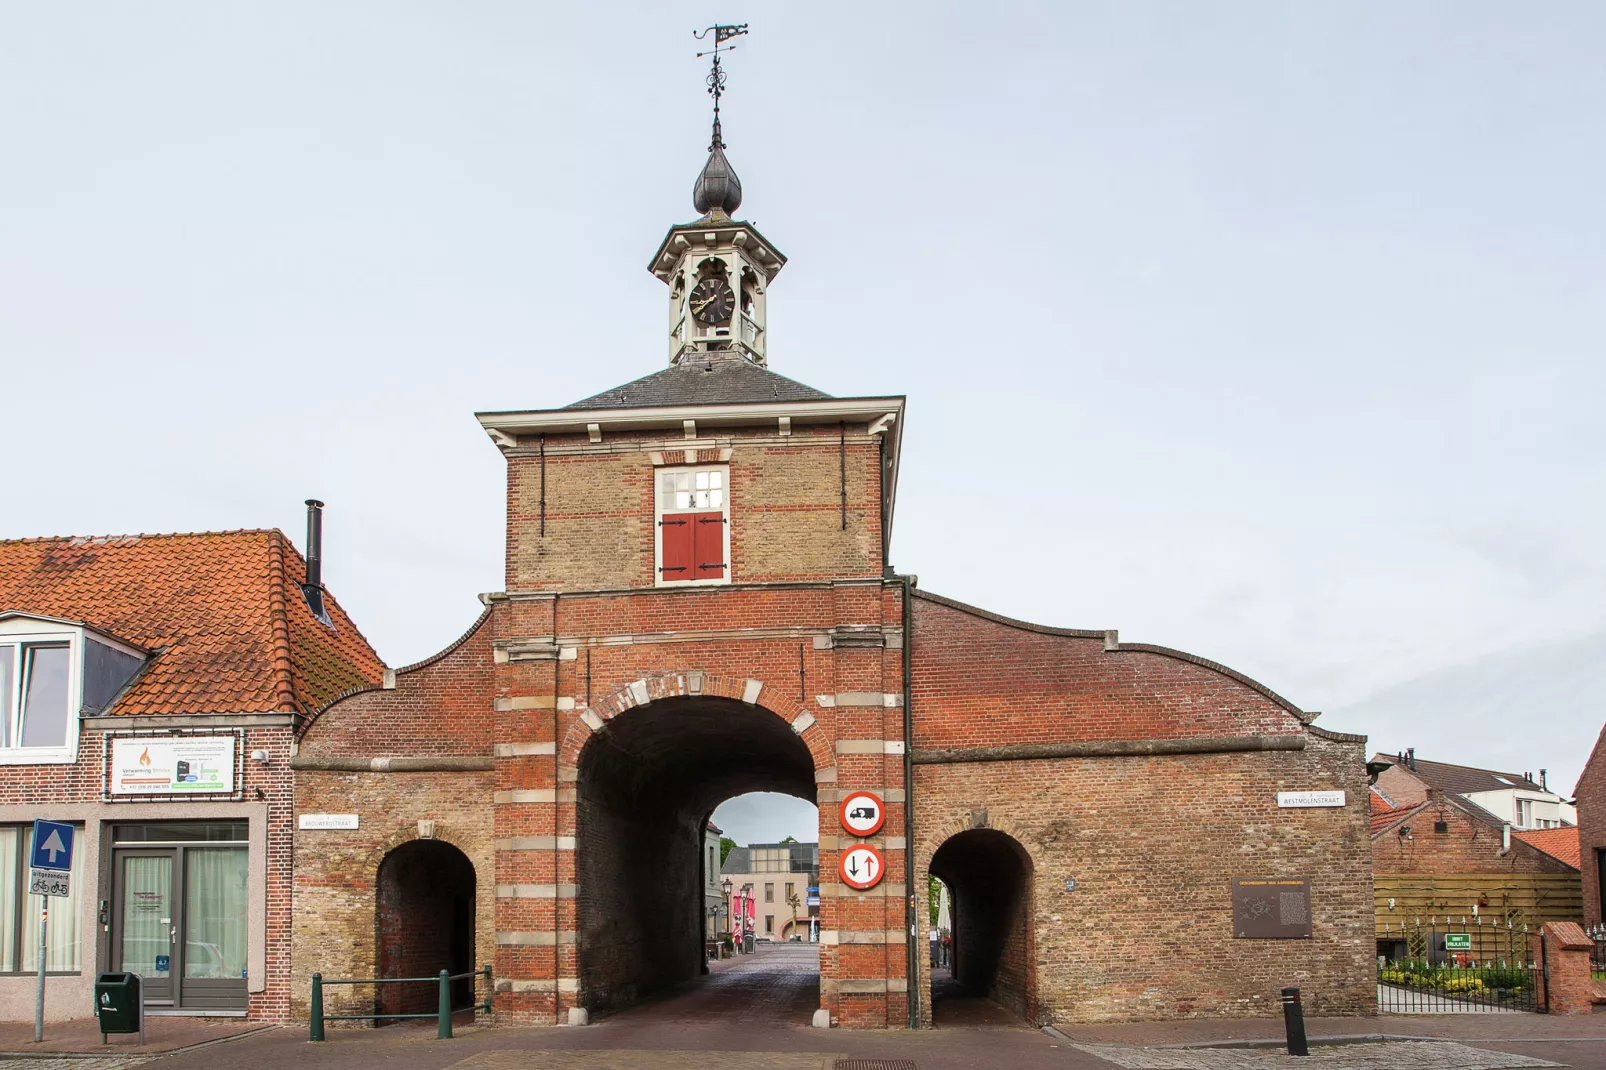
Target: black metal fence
{"x": 442, "y": 1014}
{"x": 1597, "y": 954}
{"x": 1457, "y": 966}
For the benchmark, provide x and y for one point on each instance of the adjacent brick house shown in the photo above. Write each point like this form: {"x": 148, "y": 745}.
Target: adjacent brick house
{"x": 1444, "y": 856}
{"x": 1591, "y": 794}
{"x": 150, "y": 687}
{"x": 699, "y": 603}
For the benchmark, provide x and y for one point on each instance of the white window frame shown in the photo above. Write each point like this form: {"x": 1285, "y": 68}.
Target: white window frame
{"x": 659, "y": 512}
{"x": 19, "y": 632}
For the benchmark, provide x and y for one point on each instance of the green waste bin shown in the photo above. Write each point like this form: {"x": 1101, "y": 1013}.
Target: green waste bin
{"x": 117, "y": 1004}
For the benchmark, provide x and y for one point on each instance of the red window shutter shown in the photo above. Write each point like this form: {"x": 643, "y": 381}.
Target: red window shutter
{"x": 675, "y": 537}
{"x": 708, "y": 554}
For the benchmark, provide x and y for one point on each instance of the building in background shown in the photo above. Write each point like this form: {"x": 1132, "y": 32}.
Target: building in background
{"x": 1591, "y": 792}
{"x": 782, "y": 875}
{"x": 1446, "y": 863}
{"x": 150, "y": 686}
{"x": 713, "y": 893}
{"x": 1514, "y": 798}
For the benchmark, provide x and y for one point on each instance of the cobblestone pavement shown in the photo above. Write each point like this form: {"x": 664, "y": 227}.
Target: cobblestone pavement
{"x": 1383, "y": 1055}
{"x": 69, "y": 1062}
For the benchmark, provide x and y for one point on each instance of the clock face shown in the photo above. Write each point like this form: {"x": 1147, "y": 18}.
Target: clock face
{"x": 712, "y": 301}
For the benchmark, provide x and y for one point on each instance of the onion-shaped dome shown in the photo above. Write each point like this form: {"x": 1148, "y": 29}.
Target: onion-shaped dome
{"x": 717, "y": 187}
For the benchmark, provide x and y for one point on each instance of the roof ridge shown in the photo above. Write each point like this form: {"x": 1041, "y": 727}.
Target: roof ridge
{"x": 278, "y": 615}
{"x": 30, "y": 539}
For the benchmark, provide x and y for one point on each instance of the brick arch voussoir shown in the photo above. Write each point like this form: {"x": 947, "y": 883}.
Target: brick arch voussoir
{"x": 405, "y": 835}
{"x": 958, "y": 822}
{"x": 687, "y": 682}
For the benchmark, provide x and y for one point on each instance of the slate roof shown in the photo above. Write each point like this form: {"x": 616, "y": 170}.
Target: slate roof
{"x": 1462, "y": 779}
{"x": 708, "y": 380}
{"x": 221, "y": 612}
{"x": 1562, "y": 843}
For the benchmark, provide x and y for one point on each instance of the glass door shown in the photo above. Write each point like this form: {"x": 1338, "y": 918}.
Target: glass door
{"x": 146, "y": 922}
{"x": 213, "y": 959}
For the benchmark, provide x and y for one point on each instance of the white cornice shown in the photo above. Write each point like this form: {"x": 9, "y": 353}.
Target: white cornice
{"x": 557, "y": 421}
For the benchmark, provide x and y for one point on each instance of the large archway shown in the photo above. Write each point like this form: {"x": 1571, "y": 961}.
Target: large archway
{"x": 990, "y": 876}
{"x": 424, "y": 923}
{"x": 647, "y": 783}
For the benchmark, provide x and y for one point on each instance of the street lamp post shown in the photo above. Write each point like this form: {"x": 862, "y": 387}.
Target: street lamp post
{"x": 725, "y": 886}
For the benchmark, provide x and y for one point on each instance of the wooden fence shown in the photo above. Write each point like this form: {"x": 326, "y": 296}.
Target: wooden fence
{"x": 1495, "y": 910}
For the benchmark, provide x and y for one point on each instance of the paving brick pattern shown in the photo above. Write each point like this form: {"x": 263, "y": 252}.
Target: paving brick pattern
{"x": 645, "y": 1060}
{"x": 1385, "y": 1055}
{"x": 777, "y": 985}
{"x": 58, "y": 1062}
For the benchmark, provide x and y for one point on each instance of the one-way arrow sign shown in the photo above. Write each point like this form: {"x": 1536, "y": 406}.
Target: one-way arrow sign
{"x": 861, "y": 866}
{"x": 52, "y": 845}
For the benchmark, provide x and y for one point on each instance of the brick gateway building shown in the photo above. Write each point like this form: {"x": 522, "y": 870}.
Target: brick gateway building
{"x": 698, "y": 604}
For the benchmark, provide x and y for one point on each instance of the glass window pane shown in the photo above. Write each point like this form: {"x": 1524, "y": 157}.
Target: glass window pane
{"x": 61, "y": 953}
{"x": 714, "y": 479}
{"x": 702, "y": 480}
{"x": 8, "y": 684}
{"x": 44, "y": 700}
{"x": 214, "y": 912}
{"x": 180, "y": 832}
{"x": 682, "y": 500}
{"x": 682, "y": 481}
{"x": 716, "y": 499}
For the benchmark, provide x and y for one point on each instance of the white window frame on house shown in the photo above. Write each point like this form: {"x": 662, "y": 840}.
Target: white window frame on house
{"x": 661, "y": 509}
{"x": 22, "y": 632}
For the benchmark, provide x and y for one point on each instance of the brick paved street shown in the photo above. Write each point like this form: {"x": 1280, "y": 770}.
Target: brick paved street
{"x": 1387, "y": 1055}
{"x": 752, "y": 1013}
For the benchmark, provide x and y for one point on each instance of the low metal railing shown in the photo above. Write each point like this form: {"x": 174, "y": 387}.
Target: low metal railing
{"x": 443, "y": 1013}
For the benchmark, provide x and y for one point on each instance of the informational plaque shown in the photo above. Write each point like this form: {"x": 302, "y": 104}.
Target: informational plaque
{"x": 1270, "y": 908}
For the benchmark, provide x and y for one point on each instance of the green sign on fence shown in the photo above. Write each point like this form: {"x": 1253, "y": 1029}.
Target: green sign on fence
{"x": 1458, "y": 941}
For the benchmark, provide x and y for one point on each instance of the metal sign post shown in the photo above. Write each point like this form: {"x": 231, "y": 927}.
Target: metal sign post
{"x": 50, "y": 866}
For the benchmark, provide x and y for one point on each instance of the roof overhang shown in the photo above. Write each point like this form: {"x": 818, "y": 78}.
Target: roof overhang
{"x": 884, "y": 415}
{"x": 100, "y": 634}
{"x": 712, "y": 232}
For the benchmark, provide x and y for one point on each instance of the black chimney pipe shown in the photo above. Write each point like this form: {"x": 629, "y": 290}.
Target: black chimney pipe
{"x": 313, "y": 587}
{"x": 1542, "y": 783}
{"x": 314, "y": 543}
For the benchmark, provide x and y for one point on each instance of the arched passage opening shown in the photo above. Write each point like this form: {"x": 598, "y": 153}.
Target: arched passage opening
{"x": 424, "y": 901}
{"x": 648, "y": 781}
{"x": 989, "y": 875}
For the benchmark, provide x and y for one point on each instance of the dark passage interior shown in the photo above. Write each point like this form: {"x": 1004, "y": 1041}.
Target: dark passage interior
{"x": 647, "y": 784}
{"x": 425, "y": 924}
{"x": 990, "y": 876}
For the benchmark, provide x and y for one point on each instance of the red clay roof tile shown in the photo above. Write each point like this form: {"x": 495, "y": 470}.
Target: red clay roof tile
{"x": 222, "y": 613}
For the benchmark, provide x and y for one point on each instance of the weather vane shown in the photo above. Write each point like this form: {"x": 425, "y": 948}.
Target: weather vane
{"x": 716, "y": 76}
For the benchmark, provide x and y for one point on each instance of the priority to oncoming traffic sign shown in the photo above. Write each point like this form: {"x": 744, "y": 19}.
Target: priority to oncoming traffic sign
{"x": 52, "y": 845}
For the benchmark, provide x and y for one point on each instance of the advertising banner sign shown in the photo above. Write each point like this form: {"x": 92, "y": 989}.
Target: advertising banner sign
{"x": 178, "y": 765}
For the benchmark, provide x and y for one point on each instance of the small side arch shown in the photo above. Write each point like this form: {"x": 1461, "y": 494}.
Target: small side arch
{"x": 993, "y": 950}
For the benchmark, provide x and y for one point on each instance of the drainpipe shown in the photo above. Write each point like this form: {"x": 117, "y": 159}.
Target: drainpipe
{"x": 912, "y": 969}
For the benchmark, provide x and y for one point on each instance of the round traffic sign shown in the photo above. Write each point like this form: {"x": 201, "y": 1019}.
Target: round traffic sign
{"x": 863, "y": 813}
{"x": 861, "y": 866}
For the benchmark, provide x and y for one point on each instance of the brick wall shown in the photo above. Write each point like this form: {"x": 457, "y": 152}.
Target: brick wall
{"x": 1591, "y": 793}
{"x": 1467, "y": 845}
{"x": 1151, "y": 842}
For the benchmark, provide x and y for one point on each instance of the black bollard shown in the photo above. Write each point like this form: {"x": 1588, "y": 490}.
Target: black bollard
{"x": 1294, "y": 1021}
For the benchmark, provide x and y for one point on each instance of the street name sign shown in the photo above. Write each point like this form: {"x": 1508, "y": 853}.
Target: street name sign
{"x": 861, "y": 866}
{"x": 863, "y": 813}
{"x": 1310, "y": 798}
{"x": 328, "y": 821}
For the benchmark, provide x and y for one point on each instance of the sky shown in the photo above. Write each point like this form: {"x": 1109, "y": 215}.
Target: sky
{"x": 1266, "y": 331}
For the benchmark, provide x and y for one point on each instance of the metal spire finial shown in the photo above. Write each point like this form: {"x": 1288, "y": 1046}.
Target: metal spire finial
{"x": 717, "y": 188}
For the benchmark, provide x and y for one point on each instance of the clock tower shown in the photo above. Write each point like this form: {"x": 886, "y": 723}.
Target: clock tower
{"x": 718, "y": 268}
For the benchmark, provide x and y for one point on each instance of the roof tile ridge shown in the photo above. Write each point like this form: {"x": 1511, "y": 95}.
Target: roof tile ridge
{"x": 138, "y": 535}
{"x": 284, "y": 687}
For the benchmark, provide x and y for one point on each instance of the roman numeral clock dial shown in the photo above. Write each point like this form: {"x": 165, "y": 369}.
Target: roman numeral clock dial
{"x": 712, "y": 301}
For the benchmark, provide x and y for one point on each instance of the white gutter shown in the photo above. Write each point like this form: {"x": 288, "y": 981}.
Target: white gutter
{"x": 557, "y": 421}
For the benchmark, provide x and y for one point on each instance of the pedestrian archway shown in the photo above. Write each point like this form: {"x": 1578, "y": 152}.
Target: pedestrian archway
{"x": 424, "y": 904}
{"x": 647, "y": 782}
{"x": 990, "y": 876}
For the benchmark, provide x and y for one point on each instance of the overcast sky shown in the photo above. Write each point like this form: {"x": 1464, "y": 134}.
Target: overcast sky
{"x": 1268, "y": 331}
